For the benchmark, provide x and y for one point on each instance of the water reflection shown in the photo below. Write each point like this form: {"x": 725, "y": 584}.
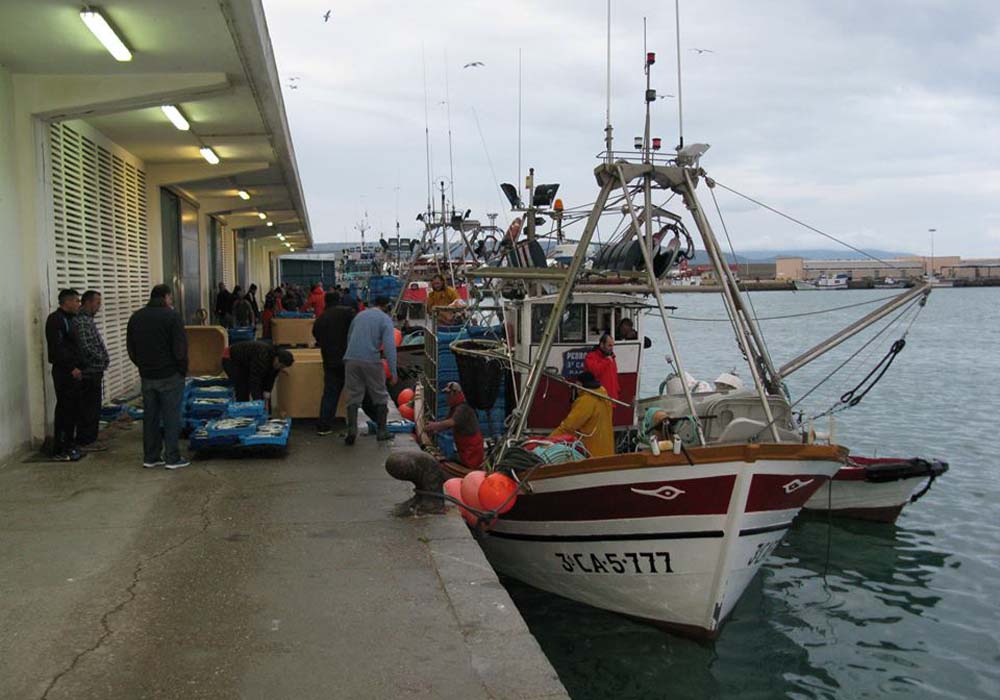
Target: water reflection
{"x": 859, "y": 599}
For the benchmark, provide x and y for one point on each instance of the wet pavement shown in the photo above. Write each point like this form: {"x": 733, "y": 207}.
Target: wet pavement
{"x": 254, "y": 577}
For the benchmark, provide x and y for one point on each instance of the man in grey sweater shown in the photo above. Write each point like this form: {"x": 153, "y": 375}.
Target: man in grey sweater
{"x": 371, "y": 335}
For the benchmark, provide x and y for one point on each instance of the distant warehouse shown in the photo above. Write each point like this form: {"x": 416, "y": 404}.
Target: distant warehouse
{"x": 794, "y": 268}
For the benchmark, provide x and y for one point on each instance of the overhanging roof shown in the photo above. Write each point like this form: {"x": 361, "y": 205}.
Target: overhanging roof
{"x": 213, "y": 60}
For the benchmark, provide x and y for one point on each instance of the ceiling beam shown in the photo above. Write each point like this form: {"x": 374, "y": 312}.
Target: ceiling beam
{"x": 62, "y": 97}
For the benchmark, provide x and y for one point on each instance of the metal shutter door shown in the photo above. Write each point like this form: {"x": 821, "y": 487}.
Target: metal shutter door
{"x": 100, "y": 231}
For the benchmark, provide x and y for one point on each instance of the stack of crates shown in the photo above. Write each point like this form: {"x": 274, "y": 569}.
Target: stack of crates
{"x": 440, "y": 368}
{"x": 205, "y": 398}
{"x": 243, "y": 424}
{"x": 383, "y": 286}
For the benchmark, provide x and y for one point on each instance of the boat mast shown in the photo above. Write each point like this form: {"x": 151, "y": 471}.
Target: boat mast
{"x": 552, "y": 325}
{"x": 609, "y": 158}
{"x": 645, "y": 245}
{"x": 730, "y": 294}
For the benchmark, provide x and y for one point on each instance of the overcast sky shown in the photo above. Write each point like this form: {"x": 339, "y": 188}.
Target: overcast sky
{"x": 875, "y": 120}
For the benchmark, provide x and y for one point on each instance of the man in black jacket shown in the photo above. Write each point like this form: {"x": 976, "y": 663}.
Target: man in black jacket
{"x": 95, "y": 358}
{"x": 330, "y": 331}
{"x": 157, "y": 345}
{"x": 224, "y": 306}
{"x": 66, "y": 361}
{"x": 253, "y": 366}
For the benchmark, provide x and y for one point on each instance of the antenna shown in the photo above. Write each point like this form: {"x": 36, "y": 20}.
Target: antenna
{"x": 607, "y": 119}
{"x": 447, "y": 100}
{"x": 427, "y": 129}
{"x": 680, "y": 94}
{"x": 518, "y": 116}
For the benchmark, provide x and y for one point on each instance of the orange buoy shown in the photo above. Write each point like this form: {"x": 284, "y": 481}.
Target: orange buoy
{"x": 406, "y": 411}
{"x": 453, "y": 488}
{"x": 398, "y": 334}
{"x": 405, "y": 396}
{"x": 495, "y": 491}
{"x": 470, "y": 488}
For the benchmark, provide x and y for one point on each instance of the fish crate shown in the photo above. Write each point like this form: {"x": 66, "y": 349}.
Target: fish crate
{"x": 241, "y": 335}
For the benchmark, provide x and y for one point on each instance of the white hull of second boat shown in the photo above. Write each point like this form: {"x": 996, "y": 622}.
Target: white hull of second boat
{"x": 674, "y": 545}
{"x": 871, "y": 501}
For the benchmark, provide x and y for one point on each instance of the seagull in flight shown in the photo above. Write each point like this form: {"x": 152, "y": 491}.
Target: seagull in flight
{"x": 700, "y": 51}
{"x": 474, "y": 64}
{"x": 326, "y": 16}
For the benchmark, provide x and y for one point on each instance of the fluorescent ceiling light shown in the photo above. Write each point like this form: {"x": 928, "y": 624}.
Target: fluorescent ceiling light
{"x": 243, "y": 194}
{"x": 270, "y": 223}
{"x": 176, "y": 118}
{"x": 105, "y": 34}
{"x": 209, "y": 155}
{"x": 292, "y": 249}
{"x": 261, "y": 215}
{"x": 280, "y": 237}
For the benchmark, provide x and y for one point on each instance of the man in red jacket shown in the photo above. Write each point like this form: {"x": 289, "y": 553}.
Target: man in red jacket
{"x": 602, "y": 364}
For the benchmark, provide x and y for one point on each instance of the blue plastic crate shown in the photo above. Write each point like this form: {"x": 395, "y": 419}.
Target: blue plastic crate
{"x": 251, "y": 409}
{"x": 239, "y": 335}
{"x": 209, "y": 392}
{"x": 394, "y": 426}
{"x": 220, "y": 427}
{"x": 273, "y": 433}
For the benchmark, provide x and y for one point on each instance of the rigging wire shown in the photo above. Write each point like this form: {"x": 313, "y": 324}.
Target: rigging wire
{"x": 805, "y": 225}
{"x": 489, "y": 161}
{"x": 787, "y": 316}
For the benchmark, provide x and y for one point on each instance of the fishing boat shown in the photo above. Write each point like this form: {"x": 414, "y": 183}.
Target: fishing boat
{"x": 665, "y": 530}
{"x": 876, "y": 489}
{"x": 890, "y": 283}
{"x": 824, "y": 283}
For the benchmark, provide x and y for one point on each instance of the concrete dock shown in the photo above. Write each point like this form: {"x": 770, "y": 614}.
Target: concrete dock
{"x": 248, "y": 578}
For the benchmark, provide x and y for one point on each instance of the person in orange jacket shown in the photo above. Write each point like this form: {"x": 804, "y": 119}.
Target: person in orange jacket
{"x": 317, "y": 300}
{"x": 602, "y": 364}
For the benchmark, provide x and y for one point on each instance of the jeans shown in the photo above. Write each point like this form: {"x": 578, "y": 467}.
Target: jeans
{"x": 333, "y": 385}
{"x": 67, "y": 410}
{"x": 89, "y": 416}
{"x": 161, "y": 420}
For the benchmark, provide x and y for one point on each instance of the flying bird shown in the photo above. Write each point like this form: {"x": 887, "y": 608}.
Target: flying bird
{"x": 703, "y": 50}
{"x": 474, "y": 64}
{"x": 293, "y": 86}
{"x": 326, "y": 16}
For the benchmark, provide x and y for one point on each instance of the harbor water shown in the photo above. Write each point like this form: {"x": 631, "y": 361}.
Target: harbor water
{"x": 842, "y": 609}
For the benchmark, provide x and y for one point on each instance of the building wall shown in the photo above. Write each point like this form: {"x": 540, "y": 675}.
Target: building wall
{"x": 788, "y": 268}
{"x": 14, "y": 398}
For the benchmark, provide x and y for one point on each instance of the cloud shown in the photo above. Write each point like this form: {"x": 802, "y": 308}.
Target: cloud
{"x": 872, "y": 120}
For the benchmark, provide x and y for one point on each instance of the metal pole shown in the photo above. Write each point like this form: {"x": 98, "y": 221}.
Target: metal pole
{"x": 712, "y": 248}
{"x": 853, "y": 329}
{"x": 660, "y": 304}
{"x": 537, "y": 368}
{"x": 607, "y": 120}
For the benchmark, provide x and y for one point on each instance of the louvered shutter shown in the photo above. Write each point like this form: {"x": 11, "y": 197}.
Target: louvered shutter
{"x": 101, "y": 236}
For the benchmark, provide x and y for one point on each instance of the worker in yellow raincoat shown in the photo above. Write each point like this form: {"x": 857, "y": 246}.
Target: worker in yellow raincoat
{"x": 590, "y": 419}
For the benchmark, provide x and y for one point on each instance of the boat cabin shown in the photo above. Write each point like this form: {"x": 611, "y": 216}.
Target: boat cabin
{"x": 586, "y": 318}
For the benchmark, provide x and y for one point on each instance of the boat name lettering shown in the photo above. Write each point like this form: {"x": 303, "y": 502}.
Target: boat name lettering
{"x": 615, "y": 562}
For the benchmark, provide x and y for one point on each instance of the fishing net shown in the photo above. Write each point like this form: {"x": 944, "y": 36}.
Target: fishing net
{"x": 480, "y": 372}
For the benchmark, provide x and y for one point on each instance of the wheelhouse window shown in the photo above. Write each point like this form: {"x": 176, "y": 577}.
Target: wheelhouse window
{"x": 572, "y": 329}
{"x": 539, "y": 318}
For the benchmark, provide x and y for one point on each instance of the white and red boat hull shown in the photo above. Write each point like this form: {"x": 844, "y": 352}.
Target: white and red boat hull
{"x": 874, "y": 489}
{"x": 666, "y": 541}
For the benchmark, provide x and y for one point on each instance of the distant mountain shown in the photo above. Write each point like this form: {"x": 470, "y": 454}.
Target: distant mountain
{"x": 760, "y": 256}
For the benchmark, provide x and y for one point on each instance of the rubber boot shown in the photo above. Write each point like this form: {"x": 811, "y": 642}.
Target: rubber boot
{"x": 352, "y": 425}
{"x": 381, "y": 416}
